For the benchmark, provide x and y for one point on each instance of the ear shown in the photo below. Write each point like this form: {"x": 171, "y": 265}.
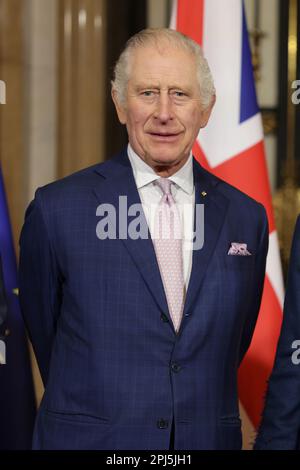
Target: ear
{"x": 205, "y": 115}
{"x": 121, "y": 112}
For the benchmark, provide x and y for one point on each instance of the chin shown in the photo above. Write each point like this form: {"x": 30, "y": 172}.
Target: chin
{"x": 165, "y": 162}
{"x": 164, "y": 157}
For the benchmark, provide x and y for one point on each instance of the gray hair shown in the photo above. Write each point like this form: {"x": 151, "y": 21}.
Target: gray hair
{"x": 155, "y": 37}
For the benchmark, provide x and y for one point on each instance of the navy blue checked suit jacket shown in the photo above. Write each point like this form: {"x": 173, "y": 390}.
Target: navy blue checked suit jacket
{"x": 280, "y": 426}
{"x": 115, "y": 372}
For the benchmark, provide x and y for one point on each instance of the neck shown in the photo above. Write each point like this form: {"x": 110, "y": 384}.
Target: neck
{"x": 164, "y": 171}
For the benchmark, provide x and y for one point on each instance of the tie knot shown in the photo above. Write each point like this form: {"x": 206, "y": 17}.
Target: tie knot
{"x": 165, "y": 185}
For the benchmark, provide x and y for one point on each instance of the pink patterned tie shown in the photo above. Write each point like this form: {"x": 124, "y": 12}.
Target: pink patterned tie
{"x": 168, "y": 247}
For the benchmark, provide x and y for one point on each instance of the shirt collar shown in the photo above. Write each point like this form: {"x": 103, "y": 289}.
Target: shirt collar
{"x": 144, "y": 174}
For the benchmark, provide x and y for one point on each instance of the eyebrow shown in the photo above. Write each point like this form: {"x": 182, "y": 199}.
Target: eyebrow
{"x": 143, "y": 86}
{"x": 149, "y": 85}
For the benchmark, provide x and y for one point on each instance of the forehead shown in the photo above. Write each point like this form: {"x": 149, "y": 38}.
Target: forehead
{"x": 148, "y": 63}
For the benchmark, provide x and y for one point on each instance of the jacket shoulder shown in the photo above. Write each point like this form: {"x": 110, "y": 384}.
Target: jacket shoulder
{"x": 80, "y": 182}
{"x": 234, "y": 195}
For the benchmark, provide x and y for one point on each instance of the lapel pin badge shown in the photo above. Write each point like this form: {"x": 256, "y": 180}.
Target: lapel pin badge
{"x": 204, "y": 193}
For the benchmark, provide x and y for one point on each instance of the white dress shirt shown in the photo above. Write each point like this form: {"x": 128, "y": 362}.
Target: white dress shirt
{"x": 183, "y": 192}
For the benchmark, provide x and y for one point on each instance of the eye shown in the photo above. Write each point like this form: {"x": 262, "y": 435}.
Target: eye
{"x": 147, "y": 93}
{"x": 179, "y": 94}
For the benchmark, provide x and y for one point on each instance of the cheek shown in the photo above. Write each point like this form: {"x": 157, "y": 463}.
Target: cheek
{"x": 194, "y": 122}
{"x": 138, "y": 116}
{"x": 190, "y": 118}
{"x": 136, "y": 123}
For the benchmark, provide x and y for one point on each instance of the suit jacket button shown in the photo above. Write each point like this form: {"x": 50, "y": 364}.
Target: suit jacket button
{"x": 175, "y": 367}
{"x": 162, "y": 424}
{"x": 164, "y": 318}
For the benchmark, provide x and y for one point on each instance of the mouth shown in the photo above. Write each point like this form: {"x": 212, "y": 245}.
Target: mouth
{"x": 164, "y": 136}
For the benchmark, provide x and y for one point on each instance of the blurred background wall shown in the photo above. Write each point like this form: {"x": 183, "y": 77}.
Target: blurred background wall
{"x": 56, "y": 59}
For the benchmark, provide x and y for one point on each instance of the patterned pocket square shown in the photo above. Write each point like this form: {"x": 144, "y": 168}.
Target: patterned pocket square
{"x": 239, "y": 249}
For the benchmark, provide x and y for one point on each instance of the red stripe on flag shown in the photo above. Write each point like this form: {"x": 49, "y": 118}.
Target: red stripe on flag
{"x": 256, "y": 367}
{"x": 190, "y": 18}
{"x": 248, "y": 172}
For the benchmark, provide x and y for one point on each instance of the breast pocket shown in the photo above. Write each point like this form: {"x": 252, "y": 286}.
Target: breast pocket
{"x": 239, "y": 262}
{"x": 238, "y": 273}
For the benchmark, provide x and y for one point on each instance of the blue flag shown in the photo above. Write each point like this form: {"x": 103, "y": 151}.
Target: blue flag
{"x": 17, "y": 400}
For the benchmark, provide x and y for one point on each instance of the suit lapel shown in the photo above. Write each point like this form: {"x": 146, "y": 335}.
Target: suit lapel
{"x": 215, "y": 208}
{"x": 118, "y": 180}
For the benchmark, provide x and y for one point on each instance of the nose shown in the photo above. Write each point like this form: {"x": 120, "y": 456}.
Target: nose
{"x": 163, "y": 111}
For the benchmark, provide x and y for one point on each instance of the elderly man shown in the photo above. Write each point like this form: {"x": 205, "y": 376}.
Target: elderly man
{"x": 139, "y": 322}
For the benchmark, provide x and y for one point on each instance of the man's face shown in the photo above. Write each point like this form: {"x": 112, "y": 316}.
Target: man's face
{"x": 163, "y": 111}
